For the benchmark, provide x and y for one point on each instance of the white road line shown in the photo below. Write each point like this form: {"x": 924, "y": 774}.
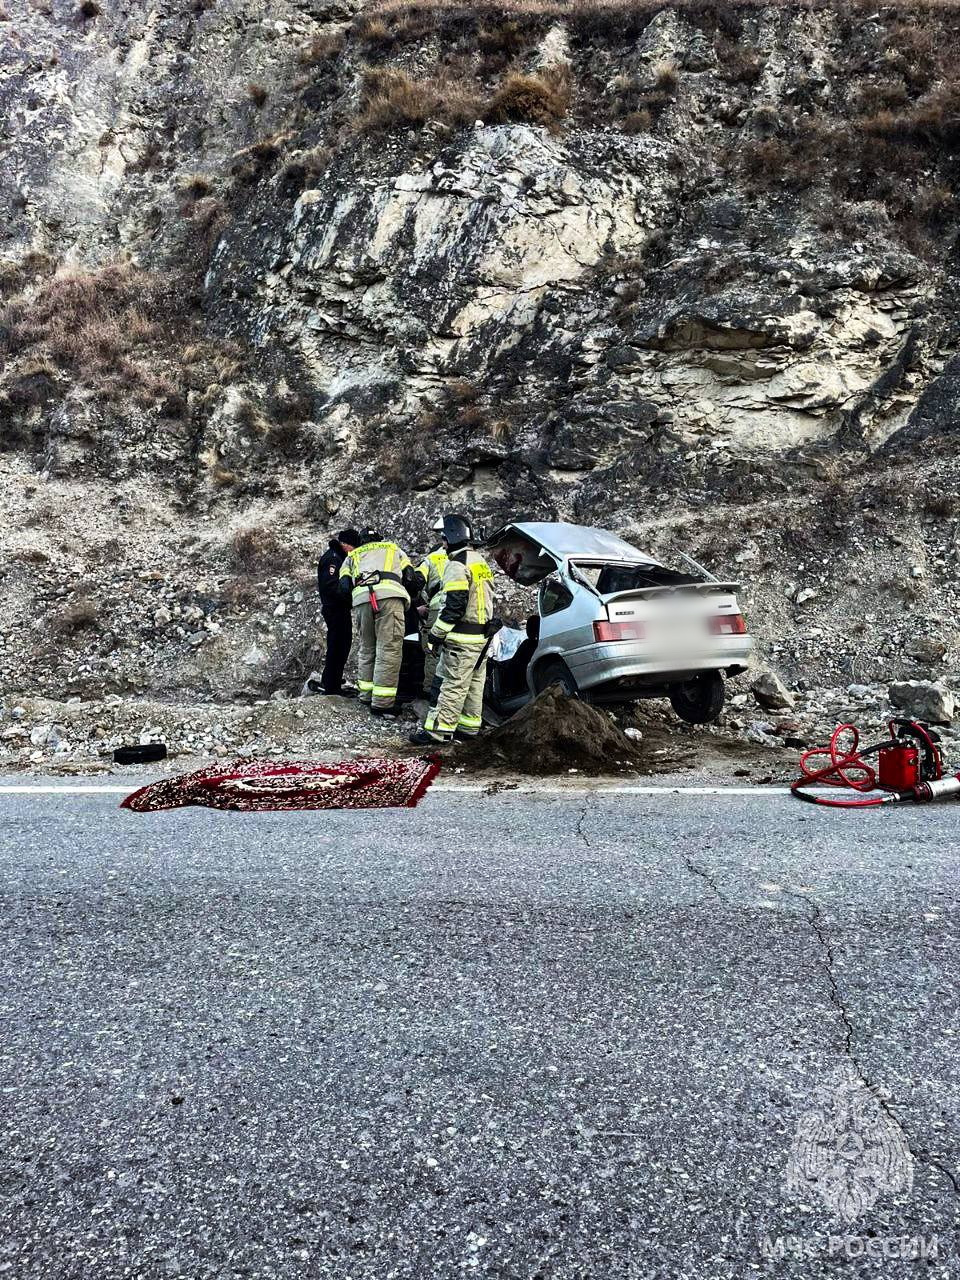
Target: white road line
{"x": 25, "y": 789}
{"x": 29, "y": 789}
{"x": 626, "y": 790}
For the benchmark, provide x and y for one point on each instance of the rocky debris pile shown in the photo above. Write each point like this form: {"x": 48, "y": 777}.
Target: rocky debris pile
{"x": 390, "y": 284}
{"x": 557, "y": 734}
{"x": 563, "y": 738}
{"x": 553, "y": 736}
{"x": 814, "y": 713}
{"x": 81, "y": 736}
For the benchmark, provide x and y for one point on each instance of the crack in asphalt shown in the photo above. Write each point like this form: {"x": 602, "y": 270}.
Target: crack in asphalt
{"x": 815, "y": 919}
{"x": 708, "y": 880}
{"x": 814, "y": 916}
{"x": 580, "y": 821}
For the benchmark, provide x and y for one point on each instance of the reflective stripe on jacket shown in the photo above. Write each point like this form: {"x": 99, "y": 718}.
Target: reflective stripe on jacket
{"x": 467, "y": 599}
{"x": 431, "y": 569}
{"x": 383, "y": 558}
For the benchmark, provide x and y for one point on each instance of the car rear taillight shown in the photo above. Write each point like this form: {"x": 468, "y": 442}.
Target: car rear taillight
{"x": 731, "y": 624}
{"x": 604, "y": 632}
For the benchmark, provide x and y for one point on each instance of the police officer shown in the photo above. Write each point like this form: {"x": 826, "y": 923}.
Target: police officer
{"x": 378, "y": 578}
{"x": 462, "y": 632}
{"x": 336, "y": 612}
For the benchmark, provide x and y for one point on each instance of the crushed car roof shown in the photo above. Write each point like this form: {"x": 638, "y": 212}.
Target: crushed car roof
{"x": 564, "y": 540}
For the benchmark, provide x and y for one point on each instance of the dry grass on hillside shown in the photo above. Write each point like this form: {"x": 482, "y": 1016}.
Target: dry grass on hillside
{"x": 899, "y": 158}
{"x": 85, "y": 319}
{"x": 482, "y": 71}
{"x": 391, "y": 98}
{"x": 932, "y": 121}
{"x": 541, "y": 97}
{"x": 323, "y": 48}
{"x": 257, "y": 549}
{"x": 92, "y": 323}
{"x": 79, "y": 614}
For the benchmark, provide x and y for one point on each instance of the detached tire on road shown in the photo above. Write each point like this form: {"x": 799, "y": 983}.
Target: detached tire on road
{"x": 554, "y": 671}
{"x": 699, "y": 699}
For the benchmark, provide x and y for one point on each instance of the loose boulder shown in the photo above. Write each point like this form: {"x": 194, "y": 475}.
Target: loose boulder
{"x": 922, "y": 700}
{"x": 771, "y": 693}
{"x": 926, "y": 649}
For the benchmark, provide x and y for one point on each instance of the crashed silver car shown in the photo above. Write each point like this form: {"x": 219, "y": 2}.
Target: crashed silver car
{"x": 613, "y": 624}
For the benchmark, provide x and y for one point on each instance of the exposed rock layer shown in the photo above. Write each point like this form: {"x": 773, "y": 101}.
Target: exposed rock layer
{"x": 683, "y": 274}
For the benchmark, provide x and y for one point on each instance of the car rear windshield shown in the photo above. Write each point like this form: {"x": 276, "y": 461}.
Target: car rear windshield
{"x": 611, "y": 578}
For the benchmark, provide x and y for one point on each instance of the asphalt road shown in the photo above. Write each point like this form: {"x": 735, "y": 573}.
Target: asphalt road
{"x": 503, "y": 1035}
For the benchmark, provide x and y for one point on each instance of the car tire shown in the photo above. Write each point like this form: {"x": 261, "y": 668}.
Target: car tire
{"x": 699, "y": 699}
{"x": 554, "y": 671}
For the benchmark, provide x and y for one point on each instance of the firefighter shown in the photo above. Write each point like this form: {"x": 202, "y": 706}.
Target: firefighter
{"x": 379, "y": 578}
{"x": 431, "y": 569}
{"x": 462, "y": 632}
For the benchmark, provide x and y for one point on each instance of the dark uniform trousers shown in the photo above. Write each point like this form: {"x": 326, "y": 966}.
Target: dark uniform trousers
{"x": 339, "y": 624}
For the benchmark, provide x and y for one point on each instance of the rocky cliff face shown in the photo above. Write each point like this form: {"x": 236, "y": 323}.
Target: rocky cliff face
{"x": 687, "y": 272}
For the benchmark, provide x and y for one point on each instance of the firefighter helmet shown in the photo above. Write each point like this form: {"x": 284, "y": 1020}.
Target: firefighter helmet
{"x": 456, "y": 531}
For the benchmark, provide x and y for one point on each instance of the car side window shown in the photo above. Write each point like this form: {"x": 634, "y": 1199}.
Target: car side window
{"x": 554, "y": 596}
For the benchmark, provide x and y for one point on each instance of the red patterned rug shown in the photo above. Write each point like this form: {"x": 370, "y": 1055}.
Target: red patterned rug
{"x": 251, "y": 785}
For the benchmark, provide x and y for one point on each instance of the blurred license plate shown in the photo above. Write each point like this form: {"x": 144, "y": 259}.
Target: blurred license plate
{"x": 677, "y": 633}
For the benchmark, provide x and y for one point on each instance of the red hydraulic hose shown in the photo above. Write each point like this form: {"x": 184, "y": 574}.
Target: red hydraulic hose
{"x": 846, "y": 768}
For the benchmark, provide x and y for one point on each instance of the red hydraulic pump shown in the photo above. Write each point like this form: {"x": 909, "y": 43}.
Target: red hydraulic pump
{"x": 909, "y": 767}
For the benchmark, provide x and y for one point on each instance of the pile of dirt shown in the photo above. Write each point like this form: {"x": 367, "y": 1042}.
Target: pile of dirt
{"x": 556, "y": 733}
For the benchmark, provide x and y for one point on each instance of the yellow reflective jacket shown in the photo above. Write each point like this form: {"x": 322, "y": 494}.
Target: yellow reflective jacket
{"x": 466, "y": 599}
{"x": 376, "y": 558}
{"x": 431, "y": 569}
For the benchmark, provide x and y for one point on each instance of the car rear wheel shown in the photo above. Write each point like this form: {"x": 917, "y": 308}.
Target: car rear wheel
{"x": 699, "y": 699}
{"x": 554, "y": 671}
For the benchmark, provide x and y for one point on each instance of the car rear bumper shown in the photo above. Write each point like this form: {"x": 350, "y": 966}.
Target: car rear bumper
{"x": 602, "y": 663}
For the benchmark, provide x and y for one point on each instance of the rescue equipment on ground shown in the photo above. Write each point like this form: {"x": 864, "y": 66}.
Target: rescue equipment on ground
{"x": 909, "y": 767}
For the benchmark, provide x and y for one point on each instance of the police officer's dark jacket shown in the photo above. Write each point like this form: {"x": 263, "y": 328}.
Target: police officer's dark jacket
{"x": 328, "y": 580}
